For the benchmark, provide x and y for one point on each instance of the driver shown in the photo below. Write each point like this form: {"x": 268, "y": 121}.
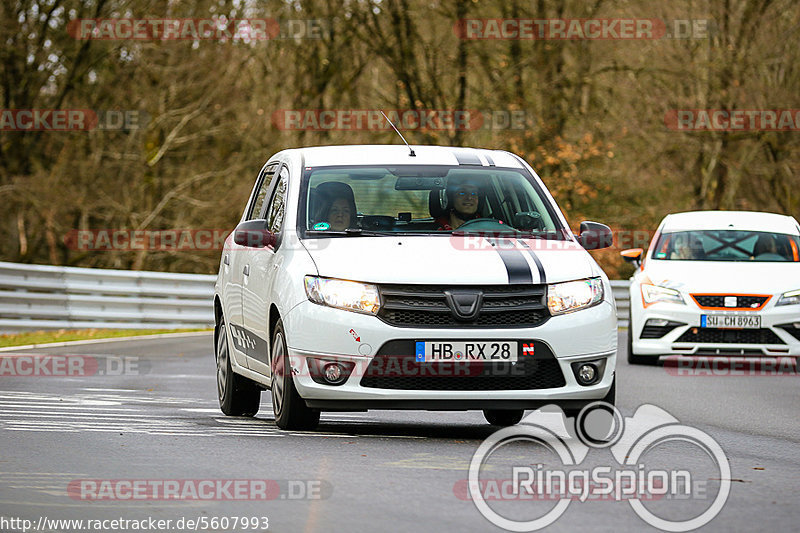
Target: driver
{"x": 464, "y": 202}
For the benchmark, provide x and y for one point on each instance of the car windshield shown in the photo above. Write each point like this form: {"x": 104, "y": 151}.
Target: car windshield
{"x": 424, "y": 200}
{"x": 727, "y": 245}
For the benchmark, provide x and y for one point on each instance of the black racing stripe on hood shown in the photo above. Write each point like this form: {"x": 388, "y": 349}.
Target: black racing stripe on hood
{"x": 516, "y": 266}
{"x": 539, "y": 266}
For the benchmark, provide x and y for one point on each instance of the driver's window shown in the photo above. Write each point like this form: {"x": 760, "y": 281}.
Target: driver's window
{"x": 277, "y": 207}
{"x": 261, "y": 193}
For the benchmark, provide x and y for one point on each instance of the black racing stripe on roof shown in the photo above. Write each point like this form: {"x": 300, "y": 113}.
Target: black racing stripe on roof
{"x": 467, "y": 157}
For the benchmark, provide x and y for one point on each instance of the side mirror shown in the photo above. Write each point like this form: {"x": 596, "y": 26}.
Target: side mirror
{"x": 595, "y": 236}
{"x": 634, "y": 255}
{"x": 254, "y": 234}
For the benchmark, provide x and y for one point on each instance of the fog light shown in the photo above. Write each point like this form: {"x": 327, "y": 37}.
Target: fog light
{"x": 587, "y": 373}
{"x": 333, "y": 372}
{"x": 657, "y": 322}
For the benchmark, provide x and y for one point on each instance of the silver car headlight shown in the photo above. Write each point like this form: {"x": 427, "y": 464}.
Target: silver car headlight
{"x": 574, "y": 295}
{"x": 655, "y": 293}
{"x": 789, "y": 298}
{"x": 348, "y": 295}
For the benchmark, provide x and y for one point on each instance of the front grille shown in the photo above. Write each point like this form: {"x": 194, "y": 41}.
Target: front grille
{"x": 729, "y": 351}
{"x": 718, "y": 300}
{"x": 504, "y": 306}
{"x": 395, "y": 367}
{"x": 730, "y": 336}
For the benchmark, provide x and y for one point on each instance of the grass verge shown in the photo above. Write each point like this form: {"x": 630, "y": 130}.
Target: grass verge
{"x": 64, "y": 335}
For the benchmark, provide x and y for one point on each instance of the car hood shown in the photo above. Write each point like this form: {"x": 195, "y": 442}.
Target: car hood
{"x": 449, "y": 260}
{"x": 725, "y": 277}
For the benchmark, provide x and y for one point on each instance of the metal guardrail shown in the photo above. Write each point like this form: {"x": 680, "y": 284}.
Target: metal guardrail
{"x": 620, "y": 289}
{"x": 34, "y": 297}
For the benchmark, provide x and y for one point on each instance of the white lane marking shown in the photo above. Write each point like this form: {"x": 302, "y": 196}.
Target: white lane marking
{"x": 92, "y": 389}
{"x": 96, "y": 504}
{"x": 68, "y": 415}
{"x": 25, "y": 411}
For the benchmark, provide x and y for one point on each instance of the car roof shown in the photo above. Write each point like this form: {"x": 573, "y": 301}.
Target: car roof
{"x": 398, "y": 154}
{"x": 721, "y": 220}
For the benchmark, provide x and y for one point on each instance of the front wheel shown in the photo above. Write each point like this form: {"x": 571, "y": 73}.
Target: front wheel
{"x": 238, "y": 396}
{"x": 503, "y": 417}
{"x": 291, "y": 412}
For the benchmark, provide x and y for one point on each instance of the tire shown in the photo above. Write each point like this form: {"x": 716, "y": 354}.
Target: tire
{"x": 633, "y": 359}
{"x": 291, "y": 411}
{"x": 609, "y": 398}
{"x": 503, "y": 417}
{"x": 238, "y": 396}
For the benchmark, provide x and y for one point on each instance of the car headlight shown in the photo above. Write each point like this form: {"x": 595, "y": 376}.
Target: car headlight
{"x": 654, "y": 293}
{"x": 349, "y": 295}
{"x": 574, "y": 295}
{"x": 789, "y": 298}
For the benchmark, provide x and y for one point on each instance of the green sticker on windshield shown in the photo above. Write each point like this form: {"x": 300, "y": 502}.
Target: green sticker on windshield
{"x": 661, "y": 255}
{"x": 321, "y": 226}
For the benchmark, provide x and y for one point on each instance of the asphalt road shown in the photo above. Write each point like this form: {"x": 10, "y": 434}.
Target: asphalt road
{"x": 158, "y": 419}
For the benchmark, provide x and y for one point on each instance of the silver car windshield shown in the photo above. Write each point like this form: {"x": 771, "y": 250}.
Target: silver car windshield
{"x": 727, "y": 245}
{"x": 420, "y": 199}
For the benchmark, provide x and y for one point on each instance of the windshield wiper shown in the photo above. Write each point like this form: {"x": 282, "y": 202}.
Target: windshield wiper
{"x": 350, "y": 232}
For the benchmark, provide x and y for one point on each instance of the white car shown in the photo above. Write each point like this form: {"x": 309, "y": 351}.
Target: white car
{"x": 716, "y": 283}
{"x": 377, "y": 277}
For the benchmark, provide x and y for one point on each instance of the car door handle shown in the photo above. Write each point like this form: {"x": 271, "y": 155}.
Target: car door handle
{"x": 227, "y": 259}
{"x": 246, "y": 270}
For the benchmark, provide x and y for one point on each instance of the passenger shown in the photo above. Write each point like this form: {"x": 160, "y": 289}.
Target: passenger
{"x": 337, "y": 205}
{"x": 770, "y": 246}
{"x": 464, "y": 202}
{"x": 686, "y": 248}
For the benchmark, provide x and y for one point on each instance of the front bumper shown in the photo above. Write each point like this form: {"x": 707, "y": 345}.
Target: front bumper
{"x": 587, "y": 335}
{"x": 690, "y": 338}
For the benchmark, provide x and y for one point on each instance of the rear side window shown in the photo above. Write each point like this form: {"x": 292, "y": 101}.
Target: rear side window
{"x": 264, "y": 181}
{"x": 277, "y": 207}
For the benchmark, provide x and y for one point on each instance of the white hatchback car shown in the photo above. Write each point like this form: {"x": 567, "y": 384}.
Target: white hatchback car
{"x": 716, "y": 283}
{"x": 375, "y": 277}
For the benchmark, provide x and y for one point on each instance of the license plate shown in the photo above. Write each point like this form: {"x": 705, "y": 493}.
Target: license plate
{"x": 485, "y": 351}
{"x": 730, "y": 321}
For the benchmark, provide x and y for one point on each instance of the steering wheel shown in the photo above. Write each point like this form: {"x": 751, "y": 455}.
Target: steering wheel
{"x": 484, "y": 224}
